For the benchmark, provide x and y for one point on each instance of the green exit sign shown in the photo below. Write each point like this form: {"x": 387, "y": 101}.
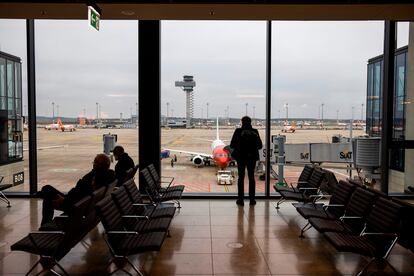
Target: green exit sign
{"x": 94, "y": 18}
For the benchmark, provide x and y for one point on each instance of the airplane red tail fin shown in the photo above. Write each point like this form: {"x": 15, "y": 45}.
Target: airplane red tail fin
{"x": 60, "y": 123}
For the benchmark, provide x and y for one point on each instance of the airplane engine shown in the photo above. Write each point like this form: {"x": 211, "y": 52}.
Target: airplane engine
{"x": 198, "y": 160}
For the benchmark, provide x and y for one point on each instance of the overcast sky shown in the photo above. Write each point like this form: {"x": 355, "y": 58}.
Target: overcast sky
{"x": 312, "y": 63}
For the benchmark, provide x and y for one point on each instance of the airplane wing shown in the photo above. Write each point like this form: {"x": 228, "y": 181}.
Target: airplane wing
{"x": 192, "y": 153}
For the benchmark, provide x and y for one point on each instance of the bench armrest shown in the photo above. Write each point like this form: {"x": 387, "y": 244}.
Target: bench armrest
{"x": 309, "y": 188}
{"x": 333, "y": 205}
{"x": 145, "y": 204}
{"x": 46, "y": 232}
{"x": 135, "y": 216}
{"x": 379, "y": 234}
{"x": 123, "y": 232}
{"x": 344, "y": 217}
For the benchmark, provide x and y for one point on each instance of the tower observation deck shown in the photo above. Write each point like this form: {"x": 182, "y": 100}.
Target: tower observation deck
{"x": 187, "y": 85}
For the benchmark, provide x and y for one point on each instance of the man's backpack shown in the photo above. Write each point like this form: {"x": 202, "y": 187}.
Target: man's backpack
{"x": 248, "y": 142}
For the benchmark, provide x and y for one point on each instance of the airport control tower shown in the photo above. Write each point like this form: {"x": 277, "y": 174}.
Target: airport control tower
{"x": 187, "y": 85}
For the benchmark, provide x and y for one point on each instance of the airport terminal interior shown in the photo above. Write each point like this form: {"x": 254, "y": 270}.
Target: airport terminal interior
{"x": 328, "y": 86}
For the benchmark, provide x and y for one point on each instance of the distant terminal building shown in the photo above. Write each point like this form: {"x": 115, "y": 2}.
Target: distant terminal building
{"x": 374, "y": 102}
{"x": 374, "y": 94}
{"x": 11, "y": 121}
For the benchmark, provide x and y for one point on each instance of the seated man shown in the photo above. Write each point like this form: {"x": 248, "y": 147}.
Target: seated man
{"x": 98, "y": 177}
{"x": 124, "y": 163}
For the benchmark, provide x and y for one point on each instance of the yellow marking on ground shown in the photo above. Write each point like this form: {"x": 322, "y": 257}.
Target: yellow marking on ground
{"x": 178, "y": 142}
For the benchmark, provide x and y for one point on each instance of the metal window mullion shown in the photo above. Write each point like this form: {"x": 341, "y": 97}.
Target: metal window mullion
{"x": 268, "y": 104}
{"x": 31, "y": 104}
{"x": 387, "y": 103}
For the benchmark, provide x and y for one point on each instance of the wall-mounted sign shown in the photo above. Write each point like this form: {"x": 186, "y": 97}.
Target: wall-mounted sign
{"x": 93, "y": 17}
{"x": 18, "y": 178}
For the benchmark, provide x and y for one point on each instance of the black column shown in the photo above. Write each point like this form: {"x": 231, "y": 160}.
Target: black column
{"x": 149, "y": 79}
{"x": 31, "y": 102}
{"x": 387, "y": 101}
{"x": 268, "y": 103}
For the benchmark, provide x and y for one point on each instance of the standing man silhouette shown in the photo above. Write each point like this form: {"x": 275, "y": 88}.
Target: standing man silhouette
{"x": 246, "y": 143}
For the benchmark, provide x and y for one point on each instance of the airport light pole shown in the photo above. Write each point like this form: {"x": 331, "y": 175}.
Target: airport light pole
{"x": 97, "y": 112}
{"x": 362, "y": 111}
{"x": 246, "y": 108}
{"x": 84, "y": 112}
{"x": 168, "y": 110}
{"x": 287, "y": 111}
{"x": 279, "y": 114}
{"x": 351, "y": 124}
{"x": 136, "y": 104}
{"x": 53, "y": 112}
{"x": 337, "y": 115}
{"x": 207, "y": 110}
{"x": 322, "y": 105}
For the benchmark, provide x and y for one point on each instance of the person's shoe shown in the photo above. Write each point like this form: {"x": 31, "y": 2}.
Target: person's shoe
{"x": 240, "y": 202}
{"x": 252, "y": 202}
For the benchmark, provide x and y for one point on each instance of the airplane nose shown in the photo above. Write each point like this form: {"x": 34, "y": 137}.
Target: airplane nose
{"x": 223, "y": 162}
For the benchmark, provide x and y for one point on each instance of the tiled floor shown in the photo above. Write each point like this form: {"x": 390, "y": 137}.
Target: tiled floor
{"x": 209, "y": 237}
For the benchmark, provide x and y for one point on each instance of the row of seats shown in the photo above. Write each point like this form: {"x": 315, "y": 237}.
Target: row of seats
{"x": 361, "y": 220}
{"x": 155, "y": 189}
{"x": 313, "y": 184}
{"x": 131, "y": 225}
{"x": 52, "y": 244}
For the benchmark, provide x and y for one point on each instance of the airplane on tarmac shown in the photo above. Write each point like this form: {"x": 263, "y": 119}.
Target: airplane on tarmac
{"x": 52, "y": 127}
{"x": 339, "y": 124}
{"x": 220, "y": 154}
{"x": 60, "y": 126}
{"x": 287, "y": 127}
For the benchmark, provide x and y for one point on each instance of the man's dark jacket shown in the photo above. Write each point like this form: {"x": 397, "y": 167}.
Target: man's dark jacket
{"x": 90, "y": 182}
{"x": 241, "y": 152}
{"x": 124, "y": 163}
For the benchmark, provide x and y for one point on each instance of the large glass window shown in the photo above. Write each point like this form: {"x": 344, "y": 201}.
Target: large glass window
{"x": 227, "y": 60}
{"x": 319, "y": 79}
{"x": 86, "y": 85}
{"x": 13, "y": 102}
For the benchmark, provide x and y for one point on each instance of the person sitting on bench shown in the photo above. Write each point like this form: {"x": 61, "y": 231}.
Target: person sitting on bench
{"x": 98, "y": 177}
{"x": 124, "y": 164}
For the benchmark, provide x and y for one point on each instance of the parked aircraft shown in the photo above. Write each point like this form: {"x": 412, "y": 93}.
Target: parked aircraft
{"x": 60, "y": 126}
{"x": 65, "y": 127}
{"x": 220, "y": 154}
{"x": 339, "y": 124}
{"x": 52, "y": 127}
{"x": 287, "y": 127}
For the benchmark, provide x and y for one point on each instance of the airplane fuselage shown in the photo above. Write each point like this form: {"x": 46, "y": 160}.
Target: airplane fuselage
{"x": 221, "y": 156}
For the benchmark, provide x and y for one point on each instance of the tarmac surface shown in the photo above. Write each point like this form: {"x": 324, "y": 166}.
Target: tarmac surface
{"x": 64, "y": 157}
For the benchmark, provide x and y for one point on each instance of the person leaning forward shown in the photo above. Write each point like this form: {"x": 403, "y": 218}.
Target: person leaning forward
{"x": 246, "y": 143}
{"x": 54, "y": 199}
{"x": 123, "y": 165}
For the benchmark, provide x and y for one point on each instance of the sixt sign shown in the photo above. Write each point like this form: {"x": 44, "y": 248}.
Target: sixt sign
{"x": 335, "y": 152}
{"x": 345, "y": 155}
